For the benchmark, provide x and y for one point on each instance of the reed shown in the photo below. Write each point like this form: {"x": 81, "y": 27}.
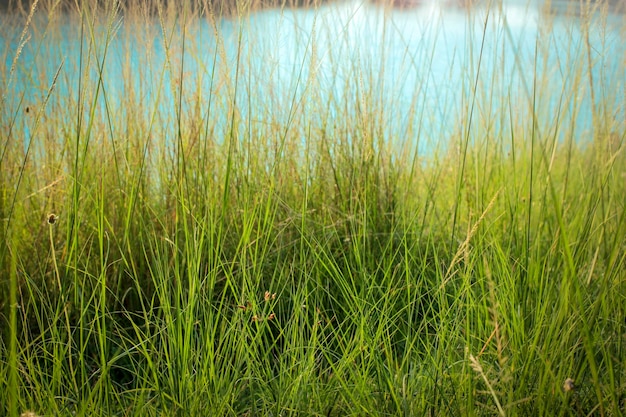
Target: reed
{"x": 184, "y": 235}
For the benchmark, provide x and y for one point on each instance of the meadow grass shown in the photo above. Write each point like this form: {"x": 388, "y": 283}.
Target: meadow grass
{"x": 179, "y": 254}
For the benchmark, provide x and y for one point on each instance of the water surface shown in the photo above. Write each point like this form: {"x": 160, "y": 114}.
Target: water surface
{"x": 422, "y": 72}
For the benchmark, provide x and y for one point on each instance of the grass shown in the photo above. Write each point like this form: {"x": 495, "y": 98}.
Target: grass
{"x": 168, "y": 251}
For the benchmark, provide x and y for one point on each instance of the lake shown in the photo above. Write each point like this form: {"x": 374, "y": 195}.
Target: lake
{"x": 423, "y": 71}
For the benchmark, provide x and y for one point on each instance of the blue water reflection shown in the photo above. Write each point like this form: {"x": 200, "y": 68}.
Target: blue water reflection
{"x": 423, "y": 72}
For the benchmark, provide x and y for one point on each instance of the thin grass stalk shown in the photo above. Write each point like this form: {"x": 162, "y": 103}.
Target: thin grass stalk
{"x": 12, "y": 381}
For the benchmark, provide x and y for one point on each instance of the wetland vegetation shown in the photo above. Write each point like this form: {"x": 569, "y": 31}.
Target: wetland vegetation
{"x": 339, "y": 210}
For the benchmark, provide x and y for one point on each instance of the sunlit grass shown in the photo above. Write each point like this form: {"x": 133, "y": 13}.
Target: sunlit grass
{"x": 189, "y": 242}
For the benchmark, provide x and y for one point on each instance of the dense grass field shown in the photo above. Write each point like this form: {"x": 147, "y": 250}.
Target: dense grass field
{"x": 295, "y": 259}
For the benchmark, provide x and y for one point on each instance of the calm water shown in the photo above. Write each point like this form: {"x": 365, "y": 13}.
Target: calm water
{"x": 422, "y": 69}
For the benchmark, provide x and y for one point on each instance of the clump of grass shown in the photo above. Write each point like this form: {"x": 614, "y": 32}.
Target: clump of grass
{"x": 189, "y": 246}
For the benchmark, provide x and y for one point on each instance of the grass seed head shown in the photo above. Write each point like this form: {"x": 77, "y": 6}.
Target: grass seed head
{"x": 52, "y": 218}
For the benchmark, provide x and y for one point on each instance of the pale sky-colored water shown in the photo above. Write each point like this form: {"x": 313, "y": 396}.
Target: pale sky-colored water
{"x": 419, "y": 69}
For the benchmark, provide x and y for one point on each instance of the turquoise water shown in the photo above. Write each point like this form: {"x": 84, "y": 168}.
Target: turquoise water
{"x": 424, "y": 71}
